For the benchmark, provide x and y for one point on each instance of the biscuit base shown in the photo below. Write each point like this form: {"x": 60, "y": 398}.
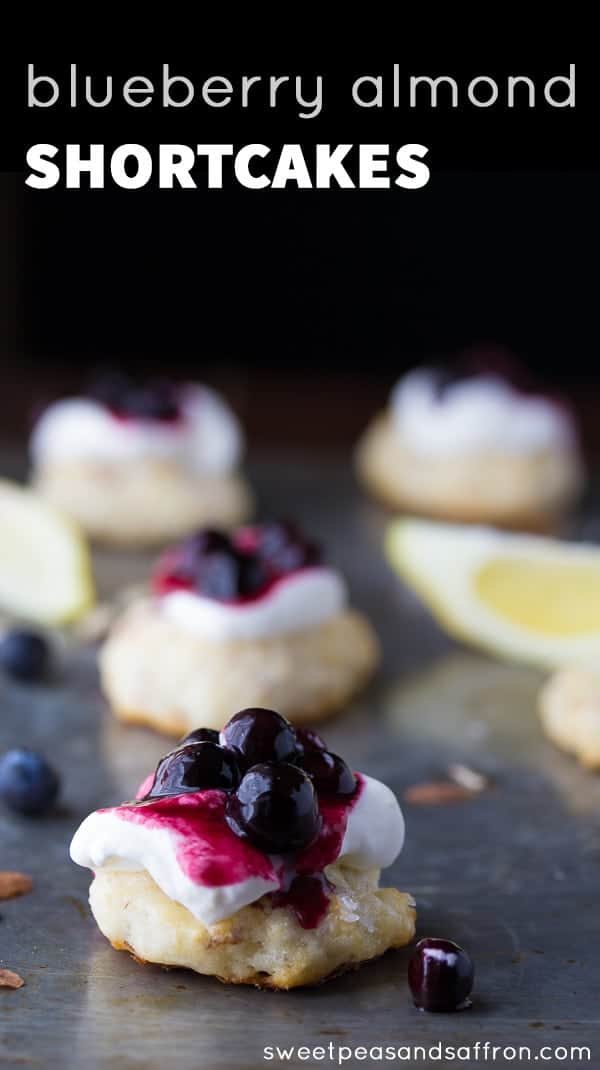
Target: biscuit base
{"x": 569, "y": 708}
{"x": 258, "y": 945}
{"x": 154, "y": 673}
{"x": 143, "y": 503}
{"x": 522, "y": 491}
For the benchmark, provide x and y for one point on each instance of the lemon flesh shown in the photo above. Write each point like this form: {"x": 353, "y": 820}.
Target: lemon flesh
{"x": 545, "y": 597}
{"x": 45, "y": 569}
{"x": 525, "y": 597}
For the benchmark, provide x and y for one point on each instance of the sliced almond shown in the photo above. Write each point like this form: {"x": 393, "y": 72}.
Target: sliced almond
{"x": 436, "y": 793}
{"x": 14, "y": 884}
{"x": 9, "y": 979}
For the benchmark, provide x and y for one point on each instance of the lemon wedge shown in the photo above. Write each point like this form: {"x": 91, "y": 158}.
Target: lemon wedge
{"x": 525, "y": 597}
{"x": 45, "y": 568}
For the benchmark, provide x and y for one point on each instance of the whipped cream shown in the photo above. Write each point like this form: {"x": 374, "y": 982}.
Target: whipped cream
{"x": 207, "y": 438}
{"x": 484, "y": 412}
{"x": 373, "y": 838}
{"x": 293, "y": 603}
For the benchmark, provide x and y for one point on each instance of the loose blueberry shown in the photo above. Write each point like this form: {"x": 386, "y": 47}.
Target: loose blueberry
{"x": 307, "y": 740}
{"x": 328, "y": 772}
{"x": 195, "y": 767}
{"x": 275, "y": 808}
{"x": 201, "y": 735}
{"x": 257, "y": 735}
{"x": 440, "y": 975}
{"x": 285, "y": 549}
{"x": 24, "y": 655}
{"x": 28, "y": 784}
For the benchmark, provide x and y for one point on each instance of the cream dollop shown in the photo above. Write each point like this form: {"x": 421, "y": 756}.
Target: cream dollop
{"x": 374, "y": 838}
{"x": 483, "y": 412}
{"x": 206, "y": 439}
{"x": 294, "y": 603}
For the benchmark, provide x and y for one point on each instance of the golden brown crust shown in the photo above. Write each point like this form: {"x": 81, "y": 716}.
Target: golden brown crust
{"x": 569, "y": 707}
{"x": 528, "y": 492}
{"x": 154, "y": 673}
{"x": 258, "y": 945}
{"x": 145, "y": 502}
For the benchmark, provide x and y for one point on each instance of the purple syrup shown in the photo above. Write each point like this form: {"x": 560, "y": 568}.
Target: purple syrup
{"x": 307, "y": 895}
{"x": 210, "y": 853}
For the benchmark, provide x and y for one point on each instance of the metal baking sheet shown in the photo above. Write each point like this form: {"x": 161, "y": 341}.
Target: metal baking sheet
{"x": 513, "y": 873}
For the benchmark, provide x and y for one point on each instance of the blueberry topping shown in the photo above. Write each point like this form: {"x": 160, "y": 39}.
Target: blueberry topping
{"x": 195, "y": 767}
{"x": 328, "y": 772}
{"x": 307, "y": 739}
{"x": 28, "y": 784}
{"x": 201, "y": 735}
{"x": 209, "y": 563}
{"x": 125, "y": 398}
{"x": 285, "y": 548}
{"x": 275, "y": 808}
{"x": 257, "y": 735}
{"x": 440, "y": 975}
{"x": 24, "y": 655}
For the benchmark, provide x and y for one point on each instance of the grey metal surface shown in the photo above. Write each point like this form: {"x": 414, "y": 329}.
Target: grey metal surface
{"x": 513, "y": 874}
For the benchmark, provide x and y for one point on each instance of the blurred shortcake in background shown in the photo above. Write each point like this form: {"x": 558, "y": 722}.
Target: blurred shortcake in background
{"x": 468, "y": 444}
{"x": 138, "y": 465}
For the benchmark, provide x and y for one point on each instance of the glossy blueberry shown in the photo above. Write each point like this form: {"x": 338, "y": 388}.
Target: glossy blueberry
{"x": 257, "y": 735}
{"x": 24, "y": 655}
{"x": 201, "y": 735}
{"x": 195, "y": 767}
{"x": 329, "y": 773}
{"x": 308, "y": 740}
{"x": 285, "y": 549}
{"x": 440, "y": 975}
{"x": 275, "y": 808}
{"x": 28, "y": 784}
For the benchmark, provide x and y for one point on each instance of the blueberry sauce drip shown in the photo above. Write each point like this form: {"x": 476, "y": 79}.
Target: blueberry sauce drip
{"x": 210, "y": 853}
{"x": 307, "y": 895}
{"x": 237, "y": 569}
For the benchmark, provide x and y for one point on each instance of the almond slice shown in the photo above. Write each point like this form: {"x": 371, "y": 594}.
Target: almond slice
{"x": 8, "y": 979}
{"x": 14, "y": 884}
{"x": 436, "y": 793}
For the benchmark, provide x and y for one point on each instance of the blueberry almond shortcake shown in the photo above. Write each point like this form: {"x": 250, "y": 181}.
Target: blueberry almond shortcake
{"x": 471, "y": 446}
{"x": 255, "y": 616}
{"x": 138, "y": 465}
{"x": 253, "y": 856}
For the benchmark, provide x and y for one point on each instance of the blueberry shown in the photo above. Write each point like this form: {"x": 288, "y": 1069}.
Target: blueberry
{"x": 275, "y": 808}
{"x": 440, "y": 975}
{"x": 28, "y": 784}
{"x": 285, "y": 549}
{"x": 24, "y": 655}
{"x": 201, "y": 735}
{"x": 156, "y": 401}
{"x": 258, "y": 735}
{"x": 328, "y": 772}
{"x": 307, "y": 740}
{"x": 153, "y": 401}
{"x": 195, "y": 767}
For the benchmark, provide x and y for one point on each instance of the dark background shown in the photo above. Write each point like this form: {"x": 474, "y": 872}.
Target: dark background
{"x": 304, "y": 306}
